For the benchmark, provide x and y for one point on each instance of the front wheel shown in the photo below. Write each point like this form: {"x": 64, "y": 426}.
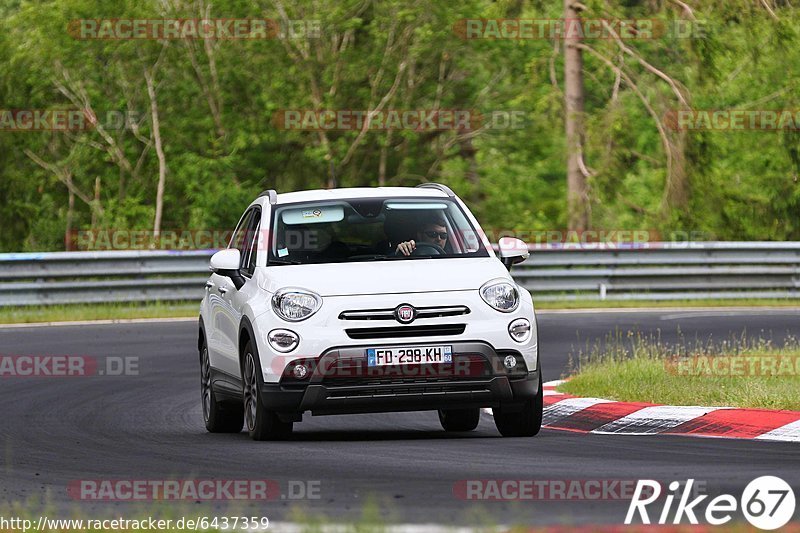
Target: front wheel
{"x": 262, "y": 424}
{"x": 459, "y": 419}
{"x": 524, "y": 422}
{"x": 219, "y": 417}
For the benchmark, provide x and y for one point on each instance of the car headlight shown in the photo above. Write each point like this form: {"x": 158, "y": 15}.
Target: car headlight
{"x": 295, "y": 305}
{"x": 501, "y": 295}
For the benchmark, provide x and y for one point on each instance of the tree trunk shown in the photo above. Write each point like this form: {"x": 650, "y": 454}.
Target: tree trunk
{"x": 577, "y": 189}
{"x": 96, "y": 201}
{"x": 162, "y": 163}
{"x": 676, "y": 187}
{"x": 68, "y": 240}
{"x": 467, "y": 152}
{"x": 383, "y": 157}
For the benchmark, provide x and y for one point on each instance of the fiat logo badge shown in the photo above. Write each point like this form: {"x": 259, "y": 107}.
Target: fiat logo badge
{"x": 405, "y": 314}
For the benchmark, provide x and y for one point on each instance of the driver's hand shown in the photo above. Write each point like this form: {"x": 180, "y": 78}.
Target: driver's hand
{"x": 406, "y": 248}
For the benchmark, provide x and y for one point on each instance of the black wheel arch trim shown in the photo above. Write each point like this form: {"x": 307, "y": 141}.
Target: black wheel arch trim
{"x": 246, "y": 327}
{"x": 201, "y": 336}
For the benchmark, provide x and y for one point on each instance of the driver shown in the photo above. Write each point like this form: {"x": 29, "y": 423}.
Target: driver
{"x": 432, "y": 230}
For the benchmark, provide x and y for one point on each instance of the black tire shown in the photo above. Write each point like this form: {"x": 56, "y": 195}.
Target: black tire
{"x": 459, "y": 419}
{"x": 524, "y": 423}
{"x": 262, "y": 424}
{"x": 219, "y": 417}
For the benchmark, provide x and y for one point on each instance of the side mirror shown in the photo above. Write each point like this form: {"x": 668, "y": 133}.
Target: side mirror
{"x": 226, "y": 263}
{"x": 512, "y": 251}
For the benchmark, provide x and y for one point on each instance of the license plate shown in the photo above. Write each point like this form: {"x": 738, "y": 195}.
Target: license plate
{"x": 411, "y": 355}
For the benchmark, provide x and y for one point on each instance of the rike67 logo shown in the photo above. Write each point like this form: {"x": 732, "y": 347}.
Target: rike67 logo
{"x": 768, "y": 502}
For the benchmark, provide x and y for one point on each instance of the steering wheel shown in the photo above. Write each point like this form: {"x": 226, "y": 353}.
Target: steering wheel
{"x": 427, "y": 248}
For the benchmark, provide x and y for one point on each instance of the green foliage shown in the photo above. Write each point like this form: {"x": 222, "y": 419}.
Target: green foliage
{"x": 217, "y": 103}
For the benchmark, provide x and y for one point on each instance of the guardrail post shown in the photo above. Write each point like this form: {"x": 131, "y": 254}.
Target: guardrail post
{"x": 603, "y": 291}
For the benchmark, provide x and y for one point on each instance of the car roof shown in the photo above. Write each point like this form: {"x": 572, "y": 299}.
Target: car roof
{"x": 358, "y": 192}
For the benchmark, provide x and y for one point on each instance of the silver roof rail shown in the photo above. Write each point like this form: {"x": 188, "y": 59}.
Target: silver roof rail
{"x": 438, "y": 186}
{"x": 273, "y": 196}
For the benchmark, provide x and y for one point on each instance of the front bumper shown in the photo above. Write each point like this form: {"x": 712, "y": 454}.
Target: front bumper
{"x": 339, "y": 384}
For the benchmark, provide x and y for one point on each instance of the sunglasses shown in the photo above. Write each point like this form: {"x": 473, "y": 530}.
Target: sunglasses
{"x": 436, "y": 235}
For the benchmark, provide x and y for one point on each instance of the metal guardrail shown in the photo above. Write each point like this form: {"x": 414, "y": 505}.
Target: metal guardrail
{"x": 664, "y": 271}
{"x": 651, "y": 271}
{"x": 101, "y": 277}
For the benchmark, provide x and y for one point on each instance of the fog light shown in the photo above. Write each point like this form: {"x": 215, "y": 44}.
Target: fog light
{"x": 510, "y": 362}
{"x": 300, "y": 371}
{"x": 283, "y": 340}
{"x": 520, "y": 330}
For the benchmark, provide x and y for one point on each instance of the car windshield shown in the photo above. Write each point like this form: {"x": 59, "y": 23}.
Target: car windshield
{"x": 371, "y": 229}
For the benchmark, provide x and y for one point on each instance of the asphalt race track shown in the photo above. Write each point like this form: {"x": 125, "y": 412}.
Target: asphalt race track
{"x": 149, "y": 426}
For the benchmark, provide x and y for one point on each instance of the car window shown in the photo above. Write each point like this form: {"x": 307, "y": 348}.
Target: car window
{"x": 370, "y": 229}
{"x": 239, "y": 235}
{"x": 251, "y": 244}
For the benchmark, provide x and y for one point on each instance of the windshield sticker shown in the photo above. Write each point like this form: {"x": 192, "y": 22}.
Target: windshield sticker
{"x": 283, "y": 252}
{"x": 313, "y": 215}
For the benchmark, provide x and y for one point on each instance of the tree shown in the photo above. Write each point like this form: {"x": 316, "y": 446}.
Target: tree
{"x": 578, "y": 206}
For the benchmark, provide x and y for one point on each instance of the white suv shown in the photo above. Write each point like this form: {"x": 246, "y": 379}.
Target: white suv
{"x": 366, "y": 300}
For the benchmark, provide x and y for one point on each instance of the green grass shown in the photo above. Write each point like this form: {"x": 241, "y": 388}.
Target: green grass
{"x": 632, "y": 368}
{"x": 118, "y": 311}
{"x": 606, "y": 304}
{"x": 65, "y": 313}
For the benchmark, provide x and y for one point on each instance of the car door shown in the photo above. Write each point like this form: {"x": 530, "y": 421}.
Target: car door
{"x": 224, "y": 314}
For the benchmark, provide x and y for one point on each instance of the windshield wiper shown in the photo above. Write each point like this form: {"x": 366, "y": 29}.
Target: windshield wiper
{"x": 357, "y": 258}
{"x": 382, "y": 257}
{"x": 283, "y": 262}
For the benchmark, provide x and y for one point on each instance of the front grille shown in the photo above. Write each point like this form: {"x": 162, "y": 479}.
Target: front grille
{"x": 388, "y": 314}
{"x": 406, "y": 331}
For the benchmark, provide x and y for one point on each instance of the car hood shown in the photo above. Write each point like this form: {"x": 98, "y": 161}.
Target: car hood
{"x": 386, "y": 277}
